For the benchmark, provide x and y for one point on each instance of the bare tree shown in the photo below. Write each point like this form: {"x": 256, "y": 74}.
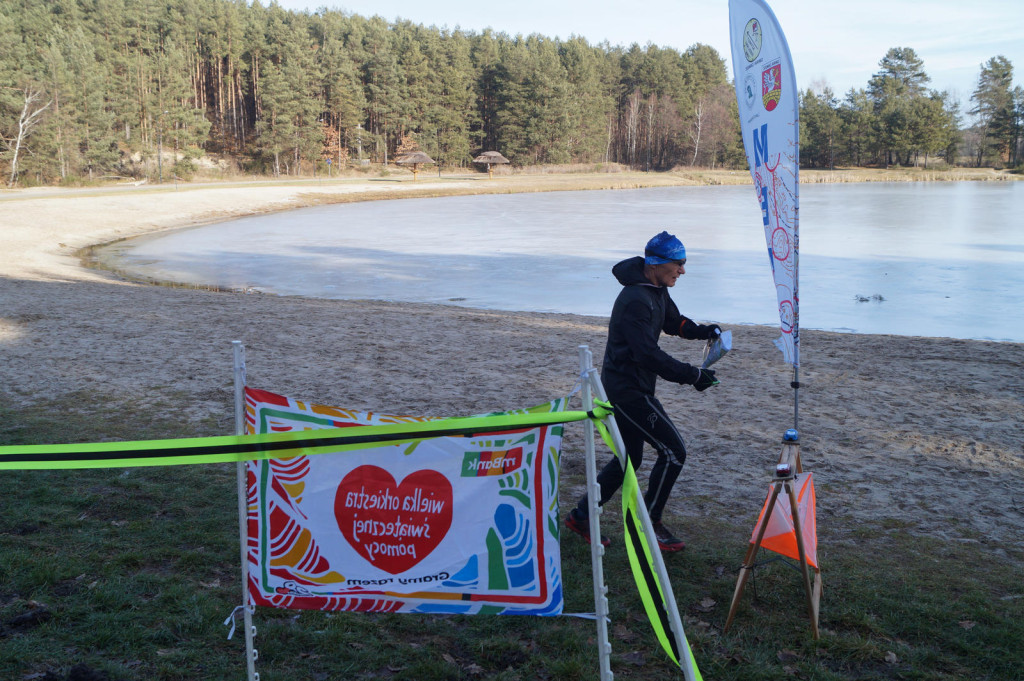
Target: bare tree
{"x": 667, "y": 127}
{"x": 652, "y": 104}
{"x": 632, "y": 125}
{"x": 28, "y": 119}
{"x": 719, "y": 124}
{"x": 611, "y": 132}
{"x": 695, "y": 128}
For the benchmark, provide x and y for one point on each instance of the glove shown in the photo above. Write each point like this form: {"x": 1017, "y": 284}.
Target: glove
{"x": 713, "y": 331}
{"x": 705, "y": 380}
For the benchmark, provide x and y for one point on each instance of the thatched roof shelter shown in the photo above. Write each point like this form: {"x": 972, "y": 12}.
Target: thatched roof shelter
{"x": 490, "y": 158}
{"x": 414, "y": 159}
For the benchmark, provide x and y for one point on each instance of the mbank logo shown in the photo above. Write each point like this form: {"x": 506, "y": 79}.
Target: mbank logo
{"x": 497, "y": 462}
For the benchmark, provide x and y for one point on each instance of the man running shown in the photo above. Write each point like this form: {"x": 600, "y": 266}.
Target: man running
{"x": 632, "y": 363}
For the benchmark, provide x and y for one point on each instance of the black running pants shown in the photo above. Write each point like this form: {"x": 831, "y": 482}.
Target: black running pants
{"x": 640, "y": 421}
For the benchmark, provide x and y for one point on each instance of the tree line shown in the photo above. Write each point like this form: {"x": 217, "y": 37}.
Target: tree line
{"x": 896, "y": 120}
{"x": 94, "y": 88}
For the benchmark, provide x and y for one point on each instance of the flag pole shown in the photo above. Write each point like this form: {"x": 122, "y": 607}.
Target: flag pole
{"x": 796, "y": 272}
{"x": 796, "y": 398}
{"x": 796, "y": 281}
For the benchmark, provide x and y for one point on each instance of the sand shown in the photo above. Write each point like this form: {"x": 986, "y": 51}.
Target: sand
{"x": 917, "y": 434}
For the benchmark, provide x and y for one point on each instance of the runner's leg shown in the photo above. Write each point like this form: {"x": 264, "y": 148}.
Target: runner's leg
{"x": 659, "y": 431}
{"x": 611, "y": 476}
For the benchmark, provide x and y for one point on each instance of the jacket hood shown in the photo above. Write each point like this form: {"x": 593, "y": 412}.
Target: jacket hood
{"x": 631, "y": 271}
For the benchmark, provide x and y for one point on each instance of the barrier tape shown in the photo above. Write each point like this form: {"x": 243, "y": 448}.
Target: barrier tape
{"x": 234, "y": 448}
{"x": 652, "y": 595}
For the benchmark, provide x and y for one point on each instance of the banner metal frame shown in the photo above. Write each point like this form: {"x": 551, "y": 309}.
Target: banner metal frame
{"x": 247, "y": 607}
{"x": 594, "y": 512}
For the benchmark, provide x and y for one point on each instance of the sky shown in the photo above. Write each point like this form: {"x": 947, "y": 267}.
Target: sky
{"x": 838, "y": 43}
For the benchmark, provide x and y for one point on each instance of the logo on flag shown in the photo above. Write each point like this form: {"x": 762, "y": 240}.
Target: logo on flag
{"x": 771, "y": 86}
{"x": 752, "y": 40}
{"x": 749, "y": 91}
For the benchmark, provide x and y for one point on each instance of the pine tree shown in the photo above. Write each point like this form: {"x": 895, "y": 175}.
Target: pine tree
{"x": 383, "y": 87}
{"x": 533, "y": 114}
{"x": 857, "y": 113}
{"x": 341, "y": 90}
{"x": 893, "y": 89}
{"x": 590, "y": 103}
{"x": 819, "y": 128}
{"x": 455, "y": 113}
{"x": 486, "y": 60}
{"x": 995, "y": 109}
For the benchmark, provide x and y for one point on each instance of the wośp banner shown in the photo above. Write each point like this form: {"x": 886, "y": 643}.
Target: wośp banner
{"x": 458, "y": 524}
{"x": 769, "y": 120}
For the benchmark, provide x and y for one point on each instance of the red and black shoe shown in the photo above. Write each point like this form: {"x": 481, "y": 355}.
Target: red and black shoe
{"x": 580, "y": 524}
{"x": 667, "y": 541}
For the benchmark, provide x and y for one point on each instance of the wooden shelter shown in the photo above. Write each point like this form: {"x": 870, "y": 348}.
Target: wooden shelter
{"x": 490, "y": 158}
{"x": 414, "y": 159}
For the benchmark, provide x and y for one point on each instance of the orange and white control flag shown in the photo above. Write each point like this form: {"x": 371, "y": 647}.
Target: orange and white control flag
{"x": 780, "y": 535}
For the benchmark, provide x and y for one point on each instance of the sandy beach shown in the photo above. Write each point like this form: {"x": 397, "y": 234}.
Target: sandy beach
{"x": 918, "y": 433}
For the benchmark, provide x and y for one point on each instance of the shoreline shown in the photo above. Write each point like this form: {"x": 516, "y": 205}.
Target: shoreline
{"x": 30, "y": 214}
{"x": 901, "y": 433}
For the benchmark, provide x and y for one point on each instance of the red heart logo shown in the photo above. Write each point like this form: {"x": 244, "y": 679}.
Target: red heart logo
{"x": 393, "y": 526}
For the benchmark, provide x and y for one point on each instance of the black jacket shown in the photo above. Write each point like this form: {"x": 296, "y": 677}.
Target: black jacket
{"x": 632, "y": 359}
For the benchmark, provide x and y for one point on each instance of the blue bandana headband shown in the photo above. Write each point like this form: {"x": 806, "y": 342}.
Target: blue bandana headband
{"x": 664, "y": 248}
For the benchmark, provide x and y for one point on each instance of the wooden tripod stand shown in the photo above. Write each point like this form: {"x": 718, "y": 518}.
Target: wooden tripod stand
{"x": 785, "y": 475}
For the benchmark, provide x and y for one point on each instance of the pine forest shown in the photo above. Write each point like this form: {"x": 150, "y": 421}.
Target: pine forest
{"x": 100, "y": 88}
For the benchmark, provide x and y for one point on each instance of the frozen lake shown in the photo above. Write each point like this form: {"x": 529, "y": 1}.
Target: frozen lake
{"x": 916, "y": 259}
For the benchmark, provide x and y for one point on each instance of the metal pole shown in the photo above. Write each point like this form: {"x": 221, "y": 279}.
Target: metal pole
{"x": 796, "y": 398}
{"x": 796, "y": 290}
{"x": 604, "y": 647}
{"x": 243, "y": 512}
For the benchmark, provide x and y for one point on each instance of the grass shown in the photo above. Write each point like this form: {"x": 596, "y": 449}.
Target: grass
{"x": 587, "y": 172}
{"x": 129, "y": 574}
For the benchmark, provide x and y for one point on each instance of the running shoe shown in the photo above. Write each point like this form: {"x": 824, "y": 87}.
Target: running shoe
{"x": 667, "y": 541}
{"x": 580, "y": 524}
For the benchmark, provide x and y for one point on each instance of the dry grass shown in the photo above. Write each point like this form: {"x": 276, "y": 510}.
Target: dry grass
{"x": 907, "y": 175}
{"x": 616, "y": 176}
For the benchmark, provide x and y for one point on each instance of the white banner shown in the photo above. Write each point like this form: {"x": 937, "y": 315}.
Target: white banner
{"x": 458, "y": 524}
{"x": 769, "y": 109}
